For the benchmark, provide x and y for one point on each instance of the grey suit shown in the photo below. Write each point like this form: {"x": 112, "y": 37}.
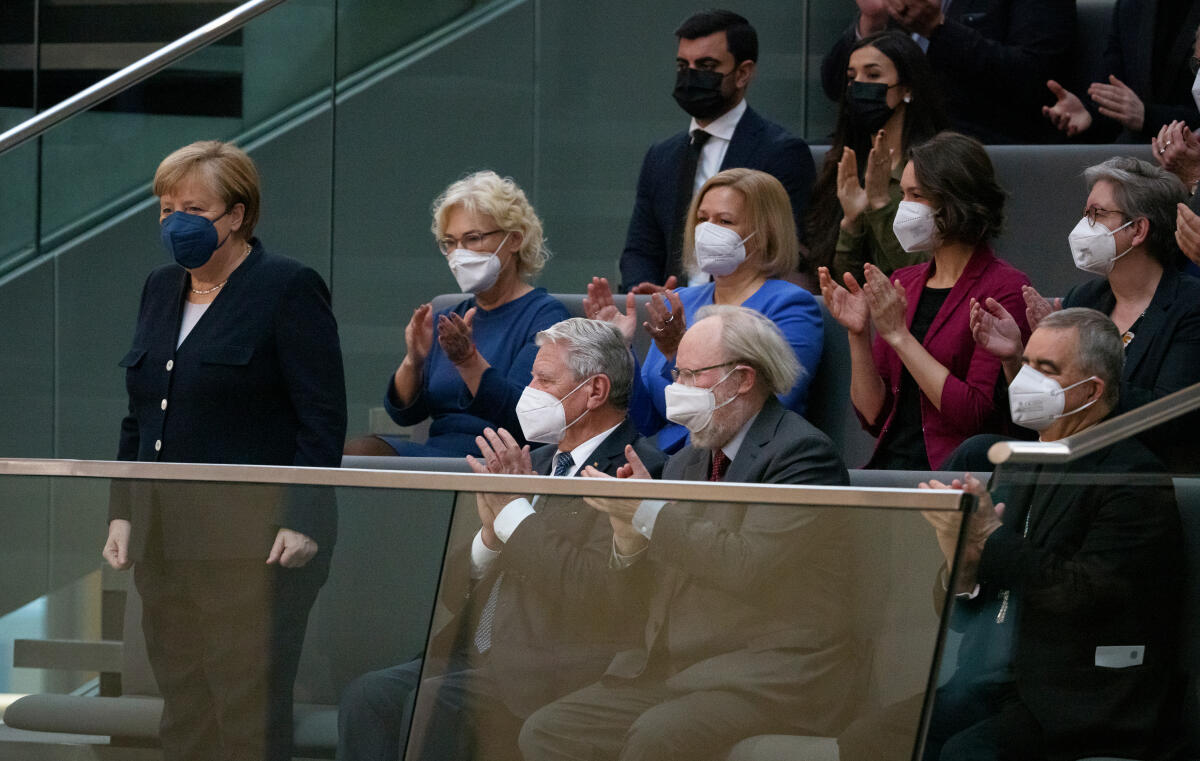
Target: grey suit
{"x": 746, "y": 631}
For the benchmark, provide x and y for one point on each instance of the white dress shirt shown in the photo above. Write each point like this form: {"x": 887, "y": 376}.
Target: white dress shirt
{"x": 712, "y": 155}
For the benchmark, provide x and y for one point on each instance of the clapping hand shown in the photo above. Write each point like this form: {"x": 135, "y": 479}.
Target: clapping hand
{"x": 847, "y": 305}
{"x": 887, "y": 302}
{"x": 920, "y": 16}
{"x": 501, "y": 454}
{"x": 1118, "y": 101}
{"x": 667, "y": 322}
{"x": 418, "y": 334}
{"x": 1037, "y": 306}
{"x": 983, "y": 522}
{"x": 1068, "y": 114}
{"x": 1187, "y": 232}
{"x": 454, "y": 336}
{"x": 621, "y": 511}
{"x": 995, "y": 330}
{"x": 1177, "y": 149}
{"x": 647, "y": 288}
{"x": 599, "y": 305}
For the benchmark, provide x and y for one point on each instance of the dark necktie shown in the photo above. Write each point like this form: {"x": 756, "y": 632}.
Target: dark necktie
{"x": 720, "y": 464}
{"x": 487, "y": 617}
{"x": 562, "y": 464}
{"x": 683, "y": 199}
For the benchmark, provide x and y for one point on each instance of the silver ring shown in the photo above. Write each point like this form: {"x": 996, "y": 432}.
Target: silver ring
{"x": 656, "y": 330}
{"x": 669, "y": 318}
{"x": 1161, "y": 151}
{"x": 1167, "y": 143}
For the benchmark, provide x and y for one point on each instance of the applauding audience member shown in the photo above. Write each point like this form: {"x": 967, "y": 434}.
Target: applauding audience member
{"x": 739, "y": 231}
{"x": 992, "y": 58}
{"x": 890, "y": 103}
{"x": 1127, "y": 237}
{"x": 726, "y": 648}
{"x": 1147, "y": 81}
{"x": 466, "y": 367}
{"x": 924, "y": 386}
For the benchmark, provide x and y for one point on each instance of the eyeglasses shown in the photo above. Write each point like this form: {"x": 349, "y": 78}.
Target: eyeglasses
{"x": 472, "y": 241}
{"x": 688, "y": 377}
{"x": 1095, "y": 211}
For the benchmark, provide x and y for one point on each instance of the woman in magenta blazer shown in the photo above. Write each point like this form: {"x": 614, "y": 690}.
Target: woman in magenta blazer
{"x": 923, "y": 386}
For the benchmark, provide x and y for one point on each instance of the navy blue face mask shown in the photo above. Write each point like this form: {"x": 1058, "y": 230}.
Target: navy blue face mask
{"x": 190, "y": 238}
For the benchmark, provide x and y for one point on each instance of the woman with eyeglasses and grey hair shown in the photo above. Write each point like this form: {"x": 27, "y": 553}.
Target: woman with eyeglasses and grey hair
{"x": 465, "y": 367}
{"x": 1126, "y": 236}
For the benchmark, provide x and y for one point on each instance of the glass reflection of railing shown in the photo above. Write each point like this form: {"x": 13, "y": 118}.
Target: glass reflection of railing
{"x": 853, "y": 579}
{"x": 1172, "y": 409}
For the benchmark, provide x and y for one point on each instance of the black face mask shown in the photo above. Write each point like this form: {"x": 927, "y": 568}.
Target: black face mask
{"x": 867, "y": 105}
{"x": 699, "y": 93}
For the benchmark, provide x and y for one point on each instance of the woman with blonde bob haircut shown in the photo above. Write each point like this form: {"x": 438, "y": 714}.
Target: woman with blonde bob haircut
{"x": 466, "y": 367}
{"x": 740, "y": 232}
{"x": 235, "y": 359}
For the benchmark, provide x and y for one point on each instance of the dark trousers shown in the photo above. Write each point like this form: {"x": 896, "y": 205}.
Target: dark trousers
{"x": 457, "y": 716}
{"x": 970, "y": 723}
{"x": 223, "y": 639}
{"x": 641, "y": 720}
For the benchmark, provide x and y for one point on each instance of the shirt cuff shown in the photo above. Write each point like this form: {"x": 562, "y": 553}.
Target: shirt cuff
{"x": 619, "y": 561}
{"x": 510, "y": 517}
{"x": 482, "y": 556}
{"x": 646, "y": 516}
{"x": 958, "y": 595}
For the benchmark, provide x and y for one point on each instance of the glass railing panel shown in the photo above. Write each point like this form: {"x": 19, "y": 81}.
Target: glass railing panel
{"x": 844, "y": 585}
{"x": 18, "y": 201}
{"x": 828, "y": 609}
{"x": 369, "y": 30}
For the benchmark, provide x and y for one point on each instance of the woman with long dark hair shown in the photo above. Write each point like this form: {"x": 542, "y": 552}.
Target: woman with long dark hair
{"x": 890, "y": 104}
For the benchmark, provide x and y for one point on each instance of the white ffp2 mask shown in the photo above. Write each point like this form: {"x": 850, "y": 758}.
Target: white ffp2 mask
{"x": 719, "y": 250}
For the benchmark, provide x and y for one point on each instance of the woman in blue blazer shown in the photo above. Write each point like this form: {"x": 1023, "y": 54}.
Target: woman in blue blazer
{"x": 235, "y": 359}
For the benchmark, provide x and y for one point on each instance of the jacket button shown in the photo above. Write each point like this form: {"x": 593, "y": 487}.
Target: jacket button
{"x": 158, "y": 446}
{"x": 164, "y": 404}
{"x": 170, "y": 364}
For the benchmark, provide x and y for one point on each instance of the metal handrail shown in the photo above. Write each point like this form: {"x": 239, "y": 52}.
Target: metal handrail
{"x": 776, "y": 494}
{"x": 136, "y": 72}
{"x": 1101, "y": 435}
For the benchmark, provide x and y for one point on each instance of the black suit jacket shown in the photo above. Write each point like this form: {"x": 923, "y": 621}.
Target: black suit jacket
{"x": 1163, "y": 357}
{"x": 258, "y": 381}
{"x": 1100, "y": 567}
{"x": 1130, "y": 56}
{"x": 752, "y": 598}
{"x": 992, "y": 59}
{"x": 554, "y": 630}
{"x": 756, "y": 144}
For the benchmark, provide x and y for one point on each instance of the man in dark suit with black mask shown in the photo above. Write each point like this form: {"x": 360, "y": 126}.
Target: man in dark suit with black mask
{"x": 715, "y": 63}
{"x": 530, "y": 594}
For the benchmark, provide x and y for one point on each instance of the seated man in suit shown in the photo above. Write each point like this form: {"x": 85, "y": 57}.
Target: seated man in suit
{"x": 745, "y": 630}
{"x": 1066, "y": 592}
{"x": 991, "y": 57}
{"x": 715, "y": 63}
{"x": 530, "y": 593}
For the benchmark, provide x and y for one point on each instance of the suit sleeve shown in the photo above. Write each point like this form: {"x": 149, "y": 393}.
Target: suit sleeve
{"x": 1035, "y": 43}
{"x": 769, "y": 537}
{"x": 120, "y": 492}
{"x": 645, "y": 255}
{"x": 310, "y": 361}
{"x": 1131, "y": 528}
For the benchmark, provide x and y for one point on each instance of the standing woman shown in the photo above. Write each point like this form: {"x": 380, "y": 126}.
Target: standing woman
{"x": 235, "y": 359}
{"x": 891, "y": 103}
{"x": 925, "y": 386}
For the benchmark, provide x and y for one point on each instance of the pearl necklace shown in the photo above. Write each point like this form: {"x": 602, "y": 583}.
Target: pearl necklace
{"x": 221, "y": 284}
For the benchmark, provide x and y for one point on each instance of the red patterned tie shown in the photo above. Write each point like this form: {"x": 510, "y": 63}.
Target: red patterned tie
{"x": 720, "y": 464}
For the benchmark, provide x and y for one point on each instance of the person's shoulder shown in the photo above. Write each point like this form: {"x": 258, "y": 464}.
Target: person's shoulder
{"x": 540, "y": 301}
{"x": 1089, "y": 293}
{"x": 769, "y": 130}
{"x": 785, "y": 292}
{"x": 667, "y": 144}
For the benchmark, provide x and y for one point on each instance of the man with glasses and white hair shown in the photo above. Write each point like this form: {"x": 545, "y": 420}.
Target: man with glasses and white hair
{"x": 531, "y": 594}
{"x": 1067, "y": 587}
{"x": 746, "y": 631}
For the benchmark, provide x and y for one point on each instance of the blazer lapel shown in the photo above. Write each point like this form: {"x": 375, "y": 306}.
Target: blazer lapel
{"x": 1152, "y": 323}
{"x": 611, "y": 453}
{"x": 744, "y": 140}
{"x": 744, "y": 468}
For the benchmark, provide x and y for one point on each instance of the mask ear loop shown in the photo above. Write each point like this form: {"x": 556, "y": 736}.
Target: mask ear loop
{"x": 1114, "y": 234}
{"x": 1081, "y": 407}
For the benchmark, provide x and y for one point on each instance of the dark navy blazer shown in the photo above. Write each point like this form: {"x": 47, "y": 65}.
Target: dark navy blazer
{"x": 258, "y": 381}
{"x": 756, "y": 144}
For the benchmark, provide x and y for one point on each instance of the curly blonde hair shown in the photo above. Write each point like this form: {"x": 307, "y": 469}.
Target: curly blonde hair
{"x": 503, "y": 200}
